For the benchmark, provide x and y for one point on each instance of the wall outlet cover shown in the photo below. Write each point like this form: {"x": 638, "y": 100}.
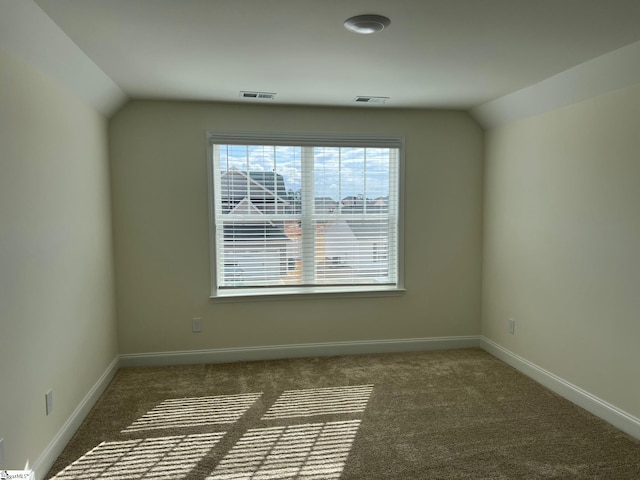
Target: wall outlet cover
{"x": 196, "y": 324}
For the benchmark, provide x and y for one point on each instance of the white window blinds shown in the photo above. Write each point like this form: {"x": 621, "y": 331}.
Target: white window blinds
{"x": 302, "y": 214}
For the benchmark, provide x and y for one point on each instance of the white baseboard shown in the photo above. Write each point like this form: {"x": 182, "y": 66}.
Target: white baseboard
{"x": 44, "y": 462}
{"x": 584, "y": 399}
{"x": 226, "y": 355}
{"x": 600, "y": 408}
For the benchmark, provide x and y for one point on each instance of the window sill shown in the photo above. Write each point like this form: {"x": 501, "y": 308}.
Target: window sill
{"x": 259, "y": 295}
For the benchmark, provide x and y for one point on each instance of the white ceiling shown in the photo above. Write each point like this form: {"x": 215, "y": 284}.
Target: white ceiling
{"x": 436, "y": 53}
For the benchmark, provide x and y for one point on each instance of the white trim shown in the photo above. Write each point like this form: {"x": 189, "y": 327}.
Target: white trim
{"x": 225, "y": 355}
{"x": 312, "y": 139}
{"x": 323, "y": 292}
{"x": 306, "y": 140}
{"x": 600, "y": 408}
{"x": 47, "y": 458}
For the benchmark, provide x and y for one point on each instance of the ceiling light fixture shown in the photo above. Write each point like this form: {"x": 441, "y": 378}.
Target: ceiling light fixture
{"x": 366, "y": 24}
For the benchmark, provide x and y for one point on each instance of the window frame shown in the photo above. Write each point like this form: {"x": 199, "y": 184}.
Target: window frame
{"x": 309, "y": 140}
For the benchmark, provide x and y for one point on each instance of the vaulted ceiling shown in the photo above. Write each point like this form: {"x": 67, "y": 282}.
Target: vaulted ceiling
{"x": 435, "y": 54}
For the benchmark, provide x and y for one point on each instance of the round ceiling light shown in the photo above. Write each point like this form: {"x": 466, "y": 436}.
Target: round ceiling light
{"x": 366, "y": 24}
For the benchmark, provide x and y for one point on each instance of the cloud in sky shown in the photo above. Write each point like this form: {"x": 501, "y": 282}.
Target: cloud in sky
{"x": 338, "y": 171}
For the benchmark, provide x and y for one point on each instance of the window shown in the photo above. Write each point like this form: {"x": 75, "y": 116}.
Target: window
{"x": 304, "y": 214}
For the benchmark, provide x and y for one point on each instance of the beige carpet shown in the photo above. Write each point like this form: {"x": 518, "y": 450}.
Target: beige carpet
{"x": 429, "y": 415}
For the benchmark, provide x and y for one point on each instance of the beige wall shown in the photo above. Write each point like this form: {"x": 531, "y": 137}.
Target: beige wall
{"x": 561, "y": 243}
{"x": 57, "y": 318}
{"x": 159, "y": 185}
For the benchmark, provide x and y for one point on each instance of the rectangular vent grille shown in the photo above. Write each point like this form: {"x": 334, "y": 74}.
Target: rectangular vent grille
{"x": 258, "y": 95}
{"x": 363, "y": 99}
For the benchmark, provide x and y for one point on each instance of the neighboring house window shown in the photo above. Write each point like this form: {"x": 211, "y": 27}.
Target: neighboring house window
{"x": 304, "y": 214}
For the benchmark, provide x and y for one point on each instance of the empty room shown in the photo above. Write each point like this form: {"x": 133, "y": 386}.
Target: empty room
{"x": 319, "y": 239}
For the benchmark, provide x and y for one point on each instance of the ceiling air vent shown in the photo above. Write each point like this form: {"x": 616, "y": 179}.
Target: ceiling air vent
{"x": 258, "y": 95}
{"x": 363, "y": 99}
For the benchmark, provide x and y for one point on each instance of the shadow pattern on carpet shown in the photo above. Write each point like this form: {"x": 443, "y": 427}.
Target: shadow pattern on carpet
{"x": 458, "y": 414}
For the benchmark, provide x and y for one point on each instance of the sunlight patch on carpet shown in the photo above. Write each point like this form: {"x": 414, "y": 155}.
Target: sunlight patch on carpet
{"x": 150, "y": 458}
{"x": 320, "y": 401}
{"x": 309, "y": 452}
{"x": 194, "y": 412}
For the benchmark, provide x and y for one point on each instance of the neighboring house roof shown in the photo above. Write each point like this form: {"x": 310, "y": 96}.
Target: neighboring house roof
{"x": 250, "y": 193}
{"x": 254, "y": 232}
{"x": 251, "y": 230}
{"x": 259, "y": 187}
{"x": 371, "y": 208}
{"x": 274, "y": 182}
{"x": 325, "y": 204}
{"x": 357, "y": 204}
{"x": 246, "y": 207}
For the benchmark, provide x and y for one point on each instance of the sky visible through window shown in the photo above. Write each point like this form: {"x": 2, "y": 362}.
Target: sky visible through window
{"x": 339, "y": 172}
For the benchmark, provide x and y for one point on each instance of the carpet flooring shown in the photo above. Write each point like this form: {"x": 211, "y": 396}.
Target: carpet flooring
{"x": 457, "y": 414}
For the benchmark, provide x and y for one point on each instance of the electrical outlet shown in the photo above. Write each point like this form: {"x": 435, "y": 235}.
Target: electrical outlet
{"x": 2, "y": 465}
{"x": 512, "y": 326}
{"x": 48, "y": 398}
{"x": 196, "y": 325}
